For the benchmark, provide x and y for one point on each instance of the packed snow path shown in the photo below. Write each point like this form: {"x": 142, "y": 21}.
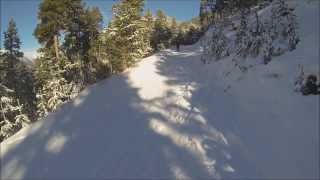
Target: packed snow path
{"x": 160, "y": 120}
{"x": 173, "y": 117}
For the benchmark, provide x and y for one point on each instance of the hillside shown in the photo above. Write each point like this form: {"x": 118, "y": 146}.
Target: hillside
{"x": 171, "y": 116}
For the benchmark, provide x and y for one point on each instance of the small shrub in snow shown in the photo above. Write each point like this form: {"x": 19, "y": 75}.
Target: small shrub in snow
{"x": 310, "y": 86}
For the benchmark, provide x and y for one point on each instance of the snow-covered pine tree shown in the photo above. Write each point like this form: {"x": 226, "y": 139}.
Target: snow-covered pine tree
{"x": 293, "y": 36}
{"x": 267, "y": 48}
{"x": 284, "y": 23}
{"x": 149, "y": 24}
{"x": 215, "y": 45}
{"x": 53, "y": 87}
{"x": 162, "y": 32}
{"x": 206, "y": 52}
{"x": 54, "y": 93}
{"x": 128, "y": 33}
{"x": 243, "y": 36}
{"x": 174, "y": 27}
{"x": 12, "y": 118}
{"x": 218, "y": 44}
{"x": 14, "y": 73}
{"x": 257, "y": 36}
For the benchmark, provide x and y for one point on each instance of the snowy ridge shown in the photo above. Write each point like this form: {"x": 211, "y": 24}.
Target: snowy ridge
{"x": 173, "y": 117}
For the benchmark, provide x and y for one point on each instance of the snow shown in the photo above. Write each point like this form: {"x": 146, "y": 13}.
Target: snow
{"x": 173, "y": 117}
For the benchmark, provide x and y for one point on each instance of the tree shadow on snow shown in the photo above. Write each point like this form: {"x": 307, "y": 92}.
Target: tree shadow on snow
{"x": 104, "y": 133}
{"x": 253, "y": 148}
{"x": 186, "y": 70}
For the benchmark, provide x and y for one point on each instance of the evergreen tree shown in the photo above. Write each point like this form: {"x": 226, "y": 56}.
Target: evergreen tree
{"x": 258, "y": 38}
{"x": 52, "y": 21}
{"x": 11, "y": 45}
{"x": 52, "y": 88}
{"x": 174, "y": 28}
{"x": 215, "y": 46}
{"x": 14, "y": 74}
{"x": 267, "y": 48}
{"x": 127, "y": 35}
{"x": 284, "y": 23}
{"x": 12, "y": 117}
{"x": 243, "y": 38}
{"x": 150, "y": 25}
{"x": 12, "y": 41}
{"x": 80, "y": 27}
{"x": 207, "y": 13}
{"x": 81, "y": 36}
{"x": 180, "y": 37}
{"x": 162, "y": 33}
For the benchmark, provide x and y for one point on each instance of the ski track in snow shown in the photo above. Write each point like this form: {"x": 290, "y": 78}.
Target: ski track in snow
{"x": 173, "y": 117}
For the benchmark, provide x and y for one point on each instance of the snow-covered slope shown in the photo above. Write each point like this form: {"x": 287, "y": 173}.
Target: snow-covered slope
{"x": 173, "y": 117}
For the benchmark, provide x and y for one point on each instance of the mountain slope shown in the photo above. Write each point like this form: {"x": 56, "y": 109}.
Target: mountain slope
{"x": 173, "y": 117}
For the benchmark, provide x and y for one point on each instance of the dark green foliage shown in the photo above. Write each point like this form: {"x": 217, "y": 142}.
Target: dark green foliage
{"x": 17, "y": 95}
{"x": 162, "y": 32}
{"x": 80, "y": 27}
{"x": 128, "y": 36}
{"x": 167, "y": 31}
{"x": 12, "y": 41}
{"x": 15, "y": 74}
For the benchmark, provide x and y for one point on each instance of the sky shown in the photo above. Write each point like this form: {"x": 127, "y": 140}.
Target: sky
{"x": 24, "y": 12}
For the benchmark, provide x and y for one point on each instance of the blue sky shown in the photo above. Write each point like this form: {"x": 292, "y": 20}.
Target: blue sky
{"x": 24, "y": 12}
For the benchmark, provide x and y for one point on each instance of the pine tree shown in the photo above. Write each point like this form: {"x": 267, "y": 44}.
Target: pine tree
{"x": 128, "y": 34}
{"x": 284, "y": 23}
{"x": 80, "y": 26}
{"x": 81, "y": 36}
{"x": 291, "y": 31}
{"x": 162, "y": 33}
{"x": 243, "y": 38}
{"x": 257, "y": 37}
{"x": 12, "y": 117}
{"x": 52, "y": 89}
{"x": 14, "y": 74}
{"x": 12, "y": 41}
{"x": 216, "y": 46}
{"x": 180, "y": 37}
{"x": 174, "y": 28}
{"x": 149, "y": 24}
{"x": 207, "y": 13}
{"x": 10, "y": 60}
{"x": 52, "y": 19}
{"x": 267, "y": 48}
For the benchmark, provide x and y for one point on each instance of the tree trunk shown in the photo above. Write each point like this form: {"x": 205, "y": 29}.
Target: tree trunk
{"x": 56, "y": 47}
{"x": 2, "y": 112}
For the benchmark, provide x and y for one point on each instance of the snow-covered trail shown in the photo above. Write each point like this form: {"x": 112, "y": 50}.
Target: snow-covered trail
{"x": 139, "y": 124}
{"x": 173, "y": 117}
{"x": 162, "y": 119}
